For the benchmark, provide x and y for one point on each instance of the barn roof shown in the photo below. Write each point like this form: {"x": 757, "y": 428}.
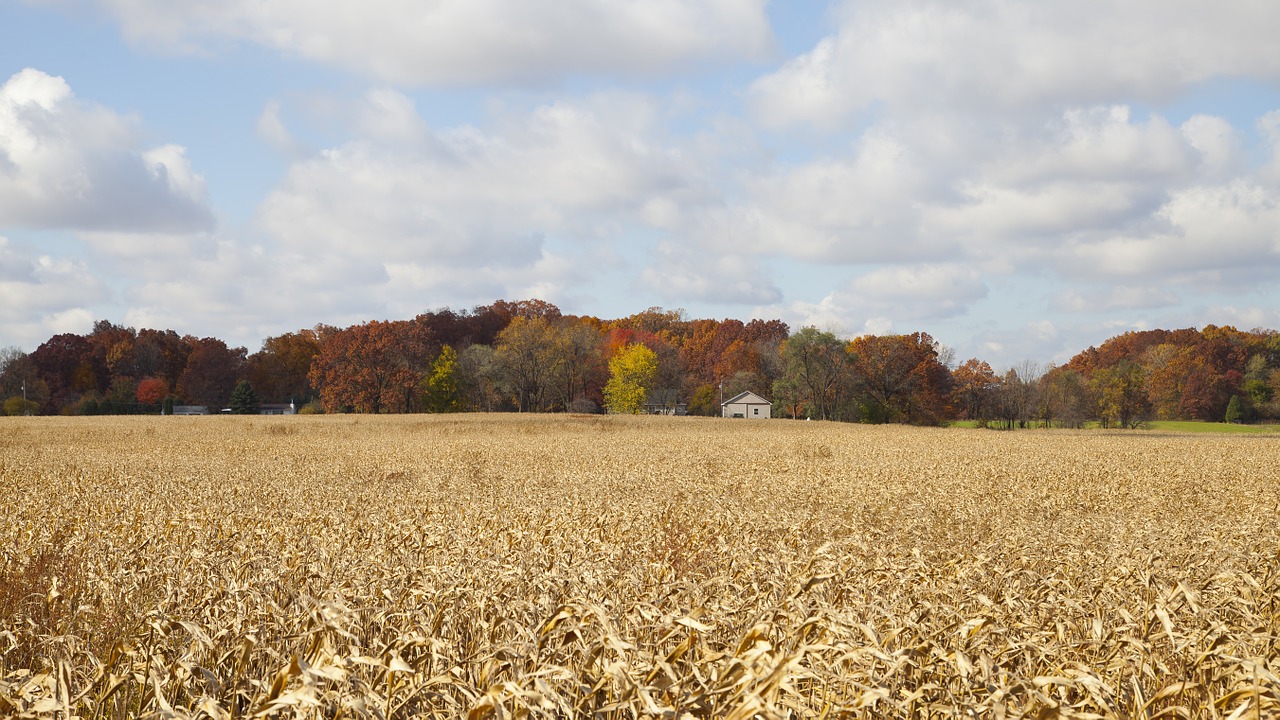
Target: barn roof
{"x": 746, "y": 398}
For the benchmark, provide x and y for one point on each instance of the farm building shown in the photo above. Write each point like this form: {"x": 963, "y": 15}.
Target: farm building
{"x": 746, "y": 405}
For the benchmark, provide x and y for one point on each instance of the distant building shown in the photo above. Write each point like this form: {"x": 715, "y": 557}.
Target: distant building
{"x": 277, "y": 409}
{"x": 747, "y": 405}
{"x": 190, "y": 409}
{"x": 666, "y": 409}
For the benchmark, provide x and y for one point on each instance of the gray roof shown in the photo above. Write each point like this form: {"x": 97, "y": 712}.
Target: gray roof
{"x": 746, "y": 398}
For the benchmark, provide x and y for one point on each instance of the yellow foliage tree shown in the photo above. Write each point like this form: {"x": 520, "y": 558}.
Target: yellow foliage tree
{"x": 631, "y": 372}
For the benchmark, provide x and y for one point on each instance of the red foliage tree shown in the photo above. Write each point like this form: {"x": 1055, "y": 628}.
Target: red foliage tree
{"x": 211, "y": 372}
{"x": 278, "y": 372}
{"x": 69, "y": 367}
{"x": 372, "y": 368}
{"x": 973, "y": 384}
{"x": 152, "y": 391}
{"x": 902, "y": 378}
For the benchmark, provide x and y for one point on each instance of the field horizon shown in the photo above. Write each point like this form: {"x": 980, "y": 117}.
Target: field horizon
{"x": 606, "y": 566}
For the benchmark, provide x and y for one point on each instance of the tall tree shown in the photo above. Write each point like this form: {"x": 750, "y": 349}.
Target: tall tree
{"x": 279, "y": 371}
{"x": 440, "y": 388}
{"x": 1121, "y": 394}
{"x": 526, "y": 350}
{"x": 974, "y": 385}
{"x": 1066, "y": 397}
{"x": 901, "y": 378}
{"x": 818, "y": 363}
{"x": 68, "y": 366}
{"x": 211, "y": 372}
{"x": 578, "y": 367}
{"x": 631, "y": 371}
{"x": 370, "y": 368}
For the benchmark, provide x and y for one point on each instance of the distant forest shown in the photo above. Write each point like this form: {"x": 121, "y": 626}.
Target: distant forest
{"x": 527, "y": 356}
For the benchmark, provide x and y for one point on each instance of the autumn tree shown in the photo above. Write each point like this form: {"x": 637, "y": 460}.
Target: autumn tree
{"x": 152, "y": 391}
{"x": 1018, "y": 398}
{"x": 974, "y": 385}
{"x": 371, "y": 368}
{"x": 211, "y": 372}
{"x": 526, "y": 352}
{"x": 578, "y": 368}
{"x": 817, "y": 363}
{"x": 19, "y": 379}
{"x": 482, "y": 380}
{"x": 1066, "y": 397}
{"x": 631, "y": 371}
{"x": 160, "y": 353}
{"x": 1121, "y": 394}
{"x": 440, "y": 388}
{"x": 69, "y": 368}
{"x": 901, "y": 378}
{"x": 279, "y": 371}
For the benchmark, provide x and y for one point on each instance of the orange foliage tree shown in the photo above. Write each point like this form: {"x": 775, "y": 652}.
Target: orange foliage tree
{"x": 901, "y": 378}
{"x": 371, "y": 368}
{"x": 152, "y": 391}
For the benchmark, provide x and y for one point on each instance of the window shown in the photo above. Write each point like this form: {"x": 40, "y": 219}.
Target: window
{"x": 755, "y": 411}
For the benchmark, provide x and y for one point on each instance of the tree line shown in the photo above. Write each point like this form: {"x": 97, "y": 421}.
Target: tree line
{"x": 527, "y": 356}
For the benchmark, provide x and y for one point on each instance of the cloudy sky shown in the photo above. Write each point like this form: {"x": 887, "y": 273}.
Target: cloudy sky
{"x": 1019, "y": 179}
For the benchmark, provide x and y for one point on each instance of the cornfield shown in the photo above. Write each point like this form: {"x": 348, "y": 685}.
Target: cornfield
{"x": 609, "y": 567}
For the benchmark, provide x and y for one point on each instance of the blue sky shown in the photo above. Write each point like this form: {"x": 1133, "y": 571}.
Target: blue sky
{"x": 1020, "y": 180}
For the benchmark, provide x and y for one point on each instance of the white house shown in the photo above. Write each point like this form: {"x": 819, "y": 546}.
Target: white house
{"x": 746, "y": 405}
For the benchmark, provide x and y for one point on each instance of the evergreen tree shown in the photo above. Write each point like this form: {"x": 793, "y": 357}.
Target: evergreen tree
{"x": 1234, "y": 413}
{"x": 244, "y": 400}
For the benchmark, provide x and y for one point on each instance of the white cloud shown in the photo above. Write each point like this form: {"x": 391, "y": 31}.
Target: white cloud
{"x": 916, "y": 292}
{"x": 472, "y": 207}
{"x": 1113, "y": 298}
{"x": 454, "y": 42}
{"x": 984, "y": 54}
{"x": 70, "y": 164}
{"x": 42, "y": 295}
{"x": 680, "y": 275}
{"x": 1216, "y": 236}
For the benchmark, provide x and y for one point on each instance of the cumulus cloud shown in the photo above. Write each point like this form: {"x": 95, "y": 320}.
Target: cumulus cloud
{"x": 680, "y": 274}
{"x": 69, "y": 164}
{"x": 1112, "y": 298}
{"x": 478, "y": 41}
{"x": 916, "y": 292}
{"x": 1217, "y": 236}
{"x": 450, "y": 212}
{"x": 927, "y": 54}
{"x": 42, "y": 295}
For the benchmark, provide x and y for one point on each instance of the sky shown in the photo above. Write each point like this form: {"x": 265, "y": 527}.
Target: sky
{"x": 1020, "y": 180}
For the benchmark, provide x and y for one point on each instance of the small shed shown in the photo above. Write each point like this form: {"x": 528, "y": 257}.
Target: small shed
{"x": 746, "y": 405}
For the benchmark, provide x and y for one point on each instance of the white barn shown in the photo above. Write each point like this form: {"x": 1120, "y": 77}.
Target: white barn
{"x": 746, "y": 405}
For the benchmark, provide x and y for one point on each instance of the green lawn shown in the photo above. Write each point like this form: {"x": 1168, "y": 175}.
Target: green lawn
{"x": 1193, "y": 426}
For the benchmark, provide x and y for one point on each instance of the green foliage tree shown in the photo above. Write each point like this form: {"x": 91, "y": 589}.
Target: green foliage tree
{"x": 631, "y": 372}
{"x": 1122, "y": 395}
{"x": 703, "y": 401}
{"x": 16, "y": 405}
{"x": 1234, "y": 412}
{"x": 817, "y": 363}
{"x": 440, "y": 388}
{"x": 244, "y": 400}
{"x": 526, "y": 352}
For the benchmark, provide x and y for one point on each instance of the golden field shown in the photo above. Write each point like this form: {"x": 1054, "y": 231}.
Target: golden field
{"x": 553, "y": 566}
